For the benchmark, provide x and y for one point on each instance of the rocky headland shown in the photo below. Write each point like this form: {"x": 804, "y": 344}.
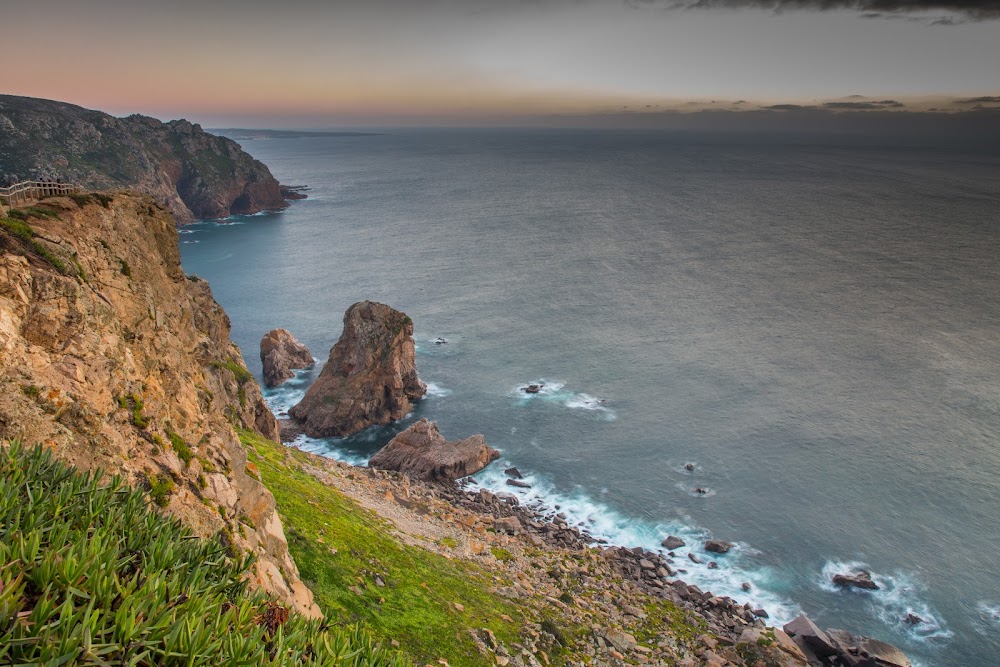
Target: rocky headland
{"x": 370, "y": 377}
{"x": 281, "y": 355}
{"x": 114, "y": 359}
{"x": 196, "y": 175}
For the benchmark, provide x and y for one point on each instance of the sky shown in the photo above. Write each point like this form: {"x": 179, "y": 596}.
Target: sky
{"x": 313, "y": 63}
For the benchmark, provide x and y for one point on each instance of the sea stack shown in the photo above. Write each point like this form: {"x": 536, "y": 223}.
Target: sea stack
{"x": 281, "y": 353}
{"x": 422, "y": 452}
{"x": 370, "y": 377}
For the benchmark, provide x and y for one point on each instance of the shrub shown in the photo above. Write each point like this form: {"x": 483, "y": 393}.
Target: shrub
{"x": 161, "y": 488}
{"x": 123, "y": 266}
{"x": 90, "y": 575}
{"x": 184, "y": 452}
{"x": 241, "y": 374}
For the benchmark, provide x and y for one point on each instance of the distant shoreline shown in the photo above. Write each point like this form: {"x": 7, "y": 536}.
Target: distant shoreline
{"x": 243, "y": 133}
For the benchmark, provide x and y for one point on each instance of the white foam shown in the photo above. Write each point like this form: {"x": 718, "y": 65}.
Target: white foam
{"x": 899, "y": 594}
{"x": 604, "y": 523}
{"x": 555, "y": 392}
{"x": 989, "y": 618}
{"x": 437, "y": 391}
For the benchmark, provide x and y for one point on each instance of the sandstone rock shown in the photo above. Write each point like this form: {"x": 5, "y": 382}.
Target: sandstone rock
{"x": 509, "y": 524}
{"x": 858, "y": 651}
{"x": 860, "y": 579}
{"x": 718, "y": 546}
{"x": 370, "y": 377}
{"x": 672, "y": 542}
{"x": 280, "y": 353}
{"x": 803, "y": 627}
{"x": 422, "y": 452}
{"x": 125, "y": 362}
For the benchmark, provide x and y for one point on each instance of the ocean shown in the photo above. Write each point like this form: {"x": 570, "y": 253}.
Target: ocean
{"x": 812, "y": 321}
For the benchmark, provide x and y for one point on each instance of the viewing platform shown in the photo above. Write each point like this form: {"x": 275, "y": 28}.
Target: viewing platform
{"x": 28, "y": 191}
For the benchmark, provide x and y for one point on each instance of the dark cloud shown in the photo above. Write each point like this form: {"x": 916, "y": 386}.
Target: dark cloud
{"x": 987, "y": 99}
{"x": 957, "y": 11}
{"x": 788, "y": 107}
{"x": 861, "y": 106}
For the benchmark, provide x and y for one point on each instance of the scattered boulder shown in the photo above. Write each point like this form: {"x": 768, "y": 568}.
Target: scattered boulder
{"x": 508, "y": 524}
{"x": 532, "y": 389}
{"x": 913, "y": 619}
{"x": 422, "y": 452}
{"x": 280, "y": 353}
{"x": 862, "y": 579}
{"x": 513, "y": 472}
{"x": 695, "y": 558}
{"x": 858, "y": 651}
{"x": 718, "y": 546}
{"x": 518, "y": 483}
{"x": 672, "y": 542}
{"x": 370, "y": 377}
{"x": 803, "y": 628}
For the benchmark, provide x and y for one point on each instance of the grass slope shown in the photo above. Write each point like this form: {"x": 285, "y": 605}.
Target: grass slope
{"x": 91, "y": 575}
{"x": 341, "y": 548}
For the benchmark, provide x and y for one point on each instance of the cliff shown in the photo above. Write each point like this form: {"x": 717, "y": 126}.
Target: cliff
{"x": 112, "y": 358}
{"x": 193, "y": 173}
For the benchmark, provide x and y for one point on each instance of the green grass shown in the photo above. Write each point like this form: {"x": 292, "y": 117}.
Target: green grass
{"x": 241, "y": 374}
{"x": 47, "y": 255}
{"x": 18, "y": 228}
{"x": 90, "y": 575}
{"x": 161, "y": 487}
{"x": 184, "y": 452}
{"x": 339, "y": 546}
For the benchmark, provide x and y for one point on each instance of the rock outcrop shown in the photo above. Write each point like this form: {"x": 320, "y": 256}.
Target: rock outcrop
{"x": 370, "y": 377}
{"x": 281, "y": 353}
{"x": 861, "y": 579}
{"x": 111, "y": 357}
{"x": 193, "y": 173}
{"x": 422, "y": 452}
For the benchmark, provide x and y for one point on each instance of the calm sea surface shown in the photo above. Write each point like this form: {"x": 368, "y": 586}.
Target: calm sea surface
{"x": 815, "y": 325}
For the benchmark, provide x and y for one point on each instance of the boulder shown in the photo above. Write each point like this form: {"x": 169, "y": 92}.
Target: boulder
{"x": 518, "y": 483}
{"x": 803, "y": 628}
{"x": 422, "y": 452}
{"x": 672, "y": 542}
{"x": 858, "y": 651}
{"x": 370, "y": 377}
{"x": 860, "y": 579}
{"x": 280, "y": 353}
{"x": 718, "y": 546}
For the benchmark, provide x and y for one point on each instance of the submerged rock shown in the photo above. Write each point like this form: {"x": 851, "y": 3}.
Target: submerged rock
{"x": 862, "y": 579}
{"x": 422, "y": 452}
{"x": 672, "y": 542}
{"x": 370, "y": 377}
{"x": 532, "y": 389}
{"x": 718, "y": 546}
{"x": 280, "y": 353}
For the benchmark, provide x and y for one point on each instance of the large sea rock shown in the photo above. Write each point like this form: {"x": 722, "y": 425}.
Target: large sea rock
{"x": 281, "y": 354}
{"x": 370, "y": 377}
{"x": 422, "y": 452}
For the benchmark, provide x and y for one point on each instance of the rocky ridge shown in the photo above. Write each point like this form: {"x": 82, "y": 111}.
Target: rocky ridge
{"x": 111, "y": 357}
{"x": 369, "y": 378}
{"x": 196, "y": 175}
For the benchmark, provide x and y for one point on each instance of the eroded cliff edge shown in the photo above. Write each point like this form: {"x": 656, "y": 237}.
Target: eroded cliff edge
{"x": 193, "y": 173}
{"x": 114, "y": 359}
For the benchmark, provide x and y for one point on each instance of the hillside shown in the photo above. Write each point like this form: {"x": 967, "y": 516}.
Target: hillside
{"x": 193, "y": 173}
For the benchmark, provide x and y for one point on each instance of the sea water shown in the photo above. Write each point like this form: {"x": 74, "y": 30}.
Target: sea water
{"x": 813, "y": 322}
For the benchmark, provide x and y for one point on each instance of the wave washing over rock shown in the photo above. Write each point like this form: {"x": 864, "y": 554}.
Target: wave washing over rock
{"x": 555, "y": 393}
{"x": 898, "y": 601}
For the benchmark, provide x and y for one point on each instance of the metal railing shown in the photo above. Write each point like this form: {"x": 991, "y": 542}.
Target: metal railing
{"x": 26, "y": 191}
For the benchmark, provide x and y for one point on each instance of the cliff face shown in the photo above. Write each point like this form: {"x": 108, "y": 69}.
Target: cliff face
{"x": 113, "y": 358}
{"x": 370, "y": 377}
{"x": 191, "y": 172}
